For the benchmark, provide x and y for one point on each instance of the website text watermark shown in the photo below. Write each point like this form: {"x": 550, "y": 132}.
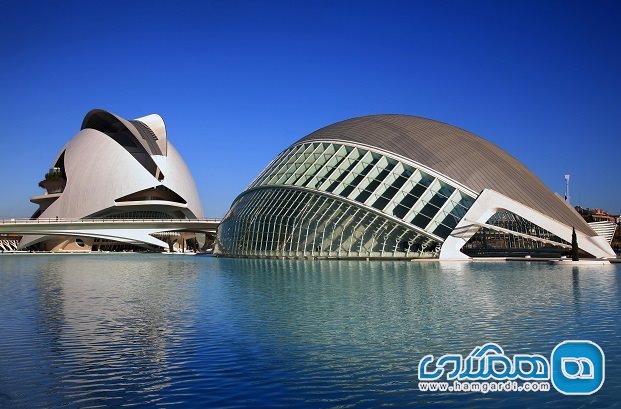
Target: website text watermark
{"x": 575, "y": 367}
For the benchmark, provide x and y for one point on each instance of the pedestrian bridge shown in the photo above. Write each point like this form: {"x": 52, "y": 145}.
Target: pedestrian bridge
{"x": 122, "y": 230}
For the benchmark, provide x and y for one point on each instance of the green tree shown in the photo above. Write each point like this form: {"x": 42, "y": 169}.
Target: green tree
{"x": 574, "y": 245}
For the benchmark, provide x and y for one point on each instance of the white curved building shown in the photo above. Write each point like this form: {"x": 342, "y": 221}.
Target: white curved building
{"x": 399, "y": 186}
{"x": 115, "y": 168}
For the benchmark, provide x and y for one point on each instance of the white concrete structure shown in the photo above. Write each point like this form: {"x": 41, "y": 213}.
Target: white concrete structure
{"x": 605, "y": 229}
{"x": 490, "y": 202}
{"x": 115, "y": 168}
{"x": 8, "y": 244}
{"x": 398, "y": 186}
{"x": 148, "y": 231}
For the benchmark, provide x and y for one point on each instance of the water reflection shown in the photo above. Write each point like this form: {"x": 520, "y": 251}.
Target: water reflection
{"x": 414, "y": 298}
{"x": 105, "y": 330}
{"x": 575, "y": 279}
{"x": 108, "y": 323}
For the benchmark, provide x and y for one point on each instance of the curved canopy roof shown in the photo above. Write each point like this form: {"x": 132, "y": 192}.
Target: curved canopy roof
{"x": 459, "y": 155}
{"x": 149, "y": 131}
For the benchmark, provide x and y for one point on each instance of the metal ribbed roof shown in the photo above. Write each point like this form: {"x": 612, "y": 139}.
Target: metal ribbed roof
{"x": 457, "y": 154}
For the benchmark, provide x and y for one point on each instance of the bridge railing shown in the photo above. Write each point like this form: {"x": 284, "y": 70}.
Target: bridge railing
{"x": 66, "y": 220}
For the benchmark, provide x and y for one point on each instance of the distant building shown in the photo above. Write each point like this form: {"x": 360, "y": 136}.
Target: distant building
{"x": 115, "y": 168}
{"x": 398, "y": 186}
{"x": 597, "y": 215}
{"x": 604, "y": 224}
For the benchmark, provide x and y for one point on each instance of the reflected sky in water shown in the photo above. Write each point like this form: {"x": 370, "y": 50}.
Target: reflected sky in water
{"x": 145, "y": 330}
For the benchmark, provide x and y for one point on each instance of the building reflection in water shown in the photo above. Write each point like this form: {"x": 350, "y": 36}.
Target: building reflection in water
{"x": 410, "y": 303}
{"x": 115, "y": 321}
{"x": 575, "y": 280}
{"x": 112, "y": 329}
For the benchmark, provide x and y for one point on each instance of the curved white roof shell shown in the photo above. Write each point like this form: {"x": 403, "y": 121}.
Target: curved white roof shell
{"x": 107, "y": 165}
{"x": 399, "y": 186}
{"x": 459, "y": 155}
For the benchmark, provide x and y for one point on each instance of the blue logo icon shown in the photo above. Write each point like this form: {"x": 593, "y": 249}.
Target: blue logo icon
{"x": 578, "y": 367}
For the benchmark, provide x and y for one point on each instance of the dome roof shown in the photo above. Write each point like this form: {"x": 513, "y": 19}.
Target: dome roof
{"x": 455, "y": 153}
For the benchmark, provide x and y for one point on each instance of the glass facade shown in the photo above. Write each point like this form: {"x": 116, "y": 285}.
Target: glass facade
{"x": 510, "y": 234}
{"x": 328, "y": 199}
{"x": 279, "y": 222}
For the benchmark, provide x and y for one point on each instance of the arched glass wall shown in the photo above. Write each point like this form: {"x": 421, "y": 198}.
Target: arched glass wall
{"x": 374, "y": 180}
{"x": 407, "y": 210}
{"x": 285, "y": 222}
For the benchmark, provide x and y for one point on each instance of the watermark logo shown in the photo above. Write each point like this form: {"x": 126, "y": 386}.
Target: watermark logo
{"x": 578, "y": 367}
{"x": 575, "y": 368}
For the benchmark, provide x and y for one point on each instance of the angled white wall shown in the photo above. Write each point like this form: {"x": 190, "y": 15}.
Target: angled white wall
{"x": 490, "y": 202}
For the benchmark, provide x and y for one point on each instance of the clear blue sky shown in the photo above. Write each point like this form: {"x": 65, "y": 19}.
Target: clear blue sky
{"x": 237, "y": 82}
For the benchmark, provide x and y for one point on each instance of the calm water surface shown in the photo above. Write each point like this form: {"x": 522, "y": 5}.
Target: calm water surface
{"x": 147, "y": 330}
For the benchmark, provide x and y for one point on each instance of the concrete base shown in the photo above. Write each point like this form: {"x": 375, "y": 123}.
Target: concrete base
{"x": 588, "y": 262}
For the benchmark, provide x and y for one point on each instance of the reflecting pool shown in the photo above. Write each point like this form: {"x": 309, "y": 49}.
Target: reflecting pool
{"x": 147, "y": 330}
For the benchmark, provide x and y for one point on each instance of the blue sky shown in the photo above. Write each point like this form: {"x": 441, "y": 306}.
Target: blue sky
{"x": 238, "y": 81}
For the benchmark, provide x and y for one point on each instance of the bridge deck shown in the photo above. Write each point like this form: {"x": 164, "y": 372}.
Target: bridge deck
{"x": 24, "y": 226}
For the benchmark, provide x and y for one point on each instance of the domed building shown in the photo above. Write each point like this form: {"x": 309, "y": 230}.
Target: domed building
{"x": 400, "y": 187}
{"x": 115, "y": 168}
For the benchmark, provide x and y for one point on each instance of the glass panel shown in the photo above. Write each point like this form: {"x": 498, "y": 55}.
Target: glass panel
{"x": 380, "y": 203}
{"x": 345, "y": 192}
{"x": 442, "y": 231}
{"x": 341, "y": 176}
{"x": 400, "y": 211}
{"x": 421, "y": 220}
